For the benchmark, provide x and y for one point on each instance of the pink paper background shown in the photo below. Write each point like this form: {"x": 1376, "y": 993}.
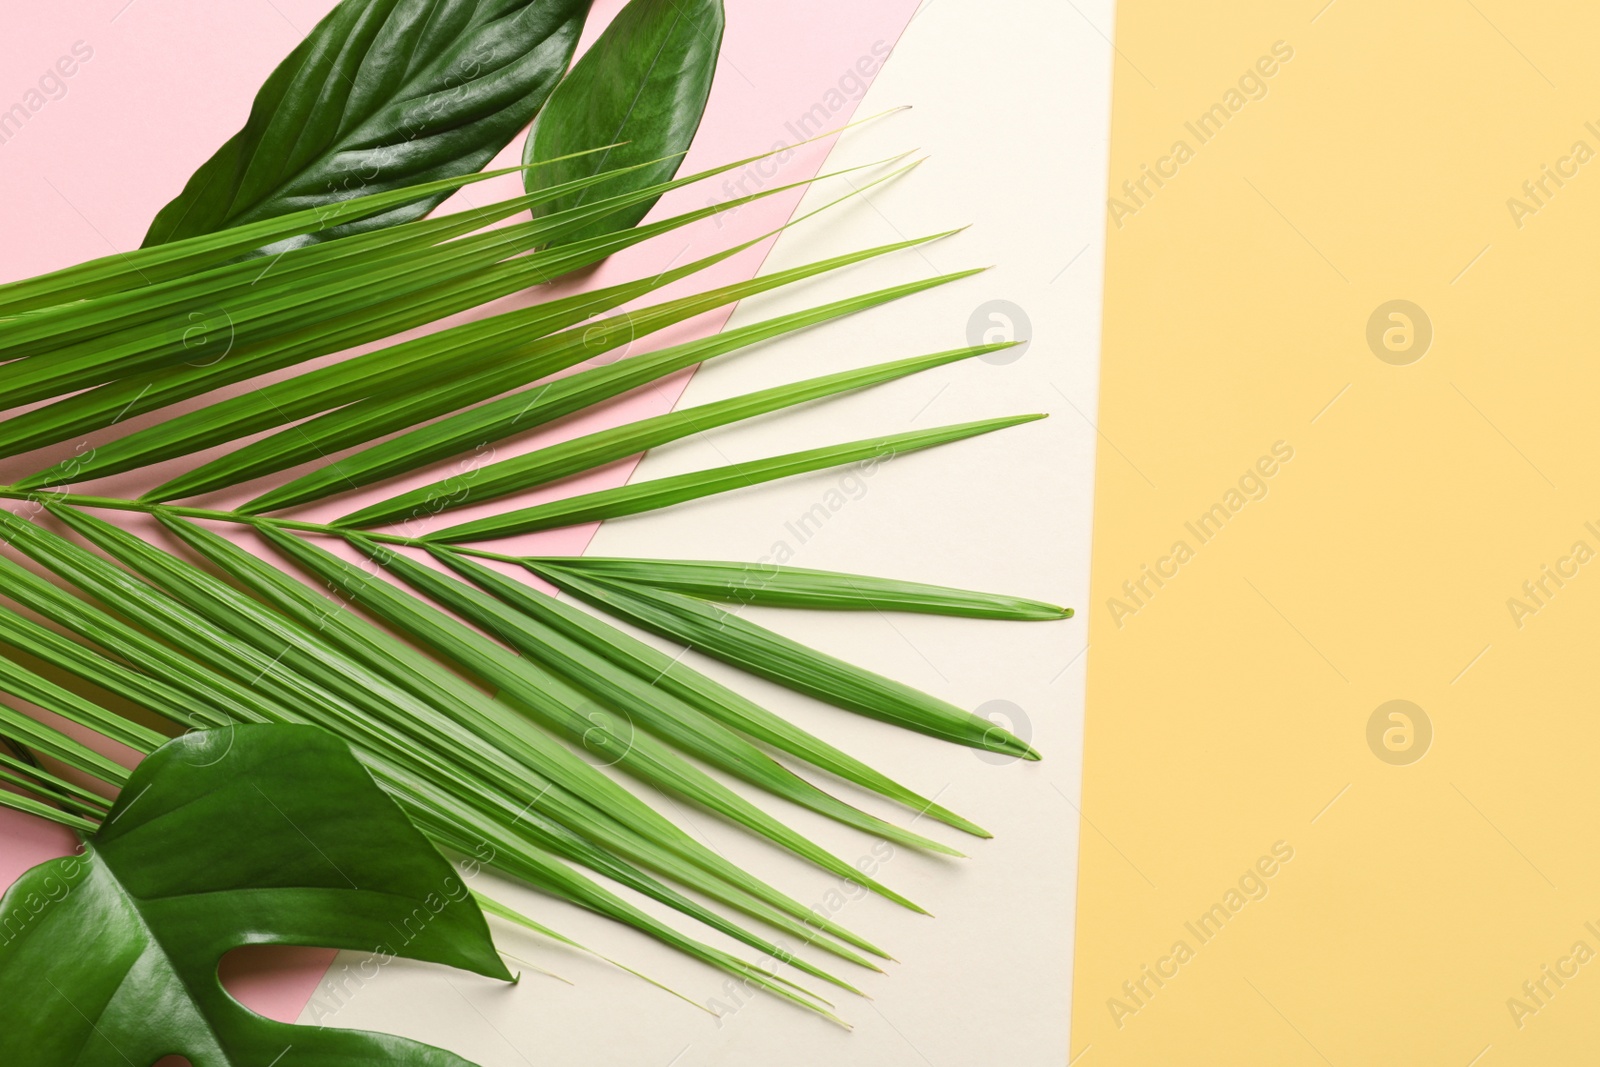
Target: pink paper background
{"x": 169, "y": 80}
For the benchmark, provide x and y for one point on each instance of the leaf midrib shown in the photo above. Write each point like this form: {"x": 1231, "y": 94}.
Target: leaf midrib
{"x": 633, "y": 105}
{"x": 341, "y": 139}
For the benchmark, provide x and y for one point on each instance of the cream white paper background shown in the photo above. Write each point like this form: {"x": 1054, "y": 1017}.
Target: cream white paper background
{"x": 1011, "y": 103}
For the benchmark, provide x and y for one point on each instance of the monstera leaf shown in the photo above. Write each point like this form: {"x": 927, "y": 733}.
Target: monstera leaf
{"x": 383, "y": 94}
{"x": 242, "y": 836}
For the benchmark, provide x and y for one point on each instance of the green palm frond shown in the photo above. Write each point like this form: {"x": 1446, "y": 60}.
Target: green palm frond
{"x": 490, "y": 709}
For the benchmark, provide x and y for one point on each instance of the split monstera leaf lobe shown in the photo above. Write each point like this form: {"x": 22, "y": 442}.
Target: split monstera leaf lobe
{"x": 223, "y": 838}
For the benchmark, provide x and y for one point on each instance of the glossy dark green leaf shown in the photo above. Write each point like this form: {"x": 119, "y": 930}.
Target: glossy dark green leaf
{"x": 642, "y": 86}
{"x": 381, "y": 95}
{"x": 240, "y": 836}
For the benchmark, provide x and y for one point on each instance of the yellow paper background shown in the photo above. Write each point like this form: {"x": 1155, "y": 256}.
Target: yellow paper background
{"x": 1230, "y": 712}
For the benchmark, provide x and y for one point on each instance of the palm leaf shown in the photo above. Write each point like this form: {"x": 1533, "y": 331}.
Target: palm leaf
{"x": 670, "y": 675}
{"x": 544, "y": 769}
{"x": 331, "y": 284}
{"x": 525, "y": 683}
{"x": 260, "y": 689}
{"x": 153, "y": 265}
{"x": 68, "y": 798}
{"x": 544, "y": 465}
{"x": 369, "y": 312}
{"x": 728, "y": 637}
{"x": 46, "y": 810}
{"x": 520, "y": 761}
{"x": 420, "y": 390}
{"x": 662, "y": 715}
{"x": 21, "y": 682}
{"x": 674, "y": 720}
{"x": 419, "y": 673}
{"x": 665, "y": 492}
{"x": 548, "y": 401}
{"x": 243, "y": 283}
{"x": 477, "y": 734}
{"x": 775, "y": 585}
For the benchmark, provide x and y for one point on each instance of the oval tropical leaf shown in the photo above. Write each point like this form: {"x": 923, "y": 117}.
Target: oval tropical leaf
{"x": 381, "y": 95}
{"x": 642, "y": 87}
